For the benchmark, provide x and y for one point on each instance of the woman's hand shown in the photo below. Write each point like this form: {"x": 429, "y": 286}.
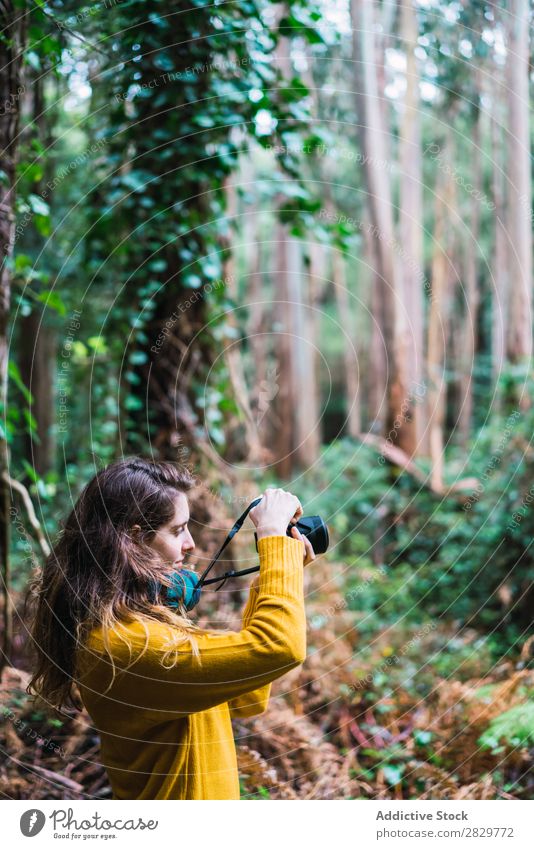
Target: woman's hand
{"x": 275, "y": 511}
{"x": 309, "y": 553}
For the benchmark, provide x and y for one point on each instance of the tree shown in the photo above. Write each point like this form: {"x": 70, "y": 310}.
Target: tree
{"x": 391, "y": 316}
{"x": 166, "y": 198}
{"x": 411, "y": 226}
{"x": 346, "y": 318}
{"x": 519, "y": 186}
{"x": 13, "y": 28}
{"x": 438, "y": 321}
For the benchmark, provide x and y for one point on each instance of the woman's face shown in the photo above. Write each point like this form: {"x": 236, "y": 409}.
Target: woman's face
{"x": 173, "y": 540}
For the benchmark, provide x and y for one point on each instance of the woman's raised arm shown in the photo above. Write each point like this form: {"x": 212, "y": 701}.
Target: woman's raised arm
{"x": 231, "y": 663}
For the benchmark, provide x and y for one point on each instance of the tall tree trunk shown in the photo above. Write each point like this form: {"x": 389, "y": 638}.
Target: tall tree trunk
{"x": 313, "y": 287}
{"x": 296, "y": 425}
{"x": 13, "y": 25}
{"x": 257, "y": 327}
{"x": 345, "y": 314}
{"x": 281, "y": 391}
{"x": 500, "y": 274}
{"x": 411, "y": 228}
{"x": 438, "y": 320}
{"x": 303, "y": 286}
{"x": 399, "y": 415}
{"x": 37, "y": 340}
{"x": 468, "y": 334}
{"x": 284, "y": 391}
{"x": 37, "y": 355}
{"x": 251, "y": 451}
{"x": 296, "y": 407}
{"x": 518, "y": 223}
{"x": 376, "y": 362}
{"x": 316, "y": 284}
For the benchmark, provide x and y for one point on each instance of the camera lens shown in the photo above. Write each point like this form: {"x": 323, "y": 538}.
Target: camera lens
{"x": 315, "y": 530}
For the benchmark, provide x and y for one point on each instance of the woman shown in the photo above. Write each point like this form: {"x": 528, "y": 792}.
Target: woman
{"x": 160, "y": 690}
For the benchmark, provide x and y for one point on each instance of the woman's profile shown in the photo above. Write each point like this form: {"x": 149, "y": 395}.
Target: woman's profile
{"x": 160, "y": 690}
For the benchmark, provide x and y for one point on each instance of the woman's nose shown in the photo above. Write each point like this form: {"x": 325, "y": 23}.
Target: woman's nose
{"x": 189, "y": 543}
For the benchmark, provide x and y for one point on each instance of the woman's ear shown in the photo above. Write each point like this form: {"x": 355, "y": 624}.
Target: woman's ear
{"x": 135, "y": 531}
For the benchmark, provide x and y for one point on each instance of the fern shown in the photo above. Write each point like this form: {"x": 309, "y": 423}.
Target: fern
{"x": 514, "y": 727}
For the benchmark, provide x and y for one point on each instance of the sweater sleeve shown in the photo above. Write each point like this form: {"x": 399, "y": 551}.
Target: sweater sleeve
{"x": 255, "y": 701}
{"x": 231, "y": 663}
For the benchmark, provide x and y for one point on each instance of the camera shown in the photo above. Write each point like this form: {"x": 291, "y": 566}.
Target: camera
{"x": 312, "y": 527}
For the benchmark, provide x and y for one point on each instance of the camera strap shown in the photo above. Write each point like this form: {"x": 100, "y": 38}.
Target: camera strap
{"x": 232, "y": 573}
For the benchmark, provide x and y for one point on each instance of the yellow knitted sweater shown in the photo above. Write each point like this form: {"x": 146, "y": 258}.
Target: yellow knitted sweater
{"x": 166, "y": 732}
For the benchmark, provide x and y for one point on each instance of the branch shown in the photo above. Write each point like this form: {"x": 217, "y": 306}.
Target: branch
{"x": 52, "y": 777}
{"x": 32, "y": 517}
{"x": 397, "y": 457}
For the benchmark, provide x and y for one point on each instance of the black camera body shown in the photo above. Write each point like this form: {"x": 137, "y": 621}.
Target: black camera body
{"x": 312, "y": 527}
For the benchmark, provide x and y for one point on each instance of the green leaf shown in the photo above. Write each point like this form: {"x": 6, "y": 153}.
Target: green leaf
{"x": 192, "y": 281}
{"x": 134, "y": 181}
{"x": 53, "y": 300}
{"x": 138, "y": 358}
{"x": 31, "y": 421}
{"x": 514, "y": 727}
{"x": 15, "y": 375}
{"x": 30, "y": 471}
{"x": 421, "y": 737}
{"x": 393, "y": 773}
{"x": 79, "y": 350}
{"x": 32, "y": 59}
{"x": 157, "y": 265}
{"x": 98, "y": 344}
{"x": 133, "y": 403}
{"x": 38, "y": 205}
{"x": 22, "y": 261}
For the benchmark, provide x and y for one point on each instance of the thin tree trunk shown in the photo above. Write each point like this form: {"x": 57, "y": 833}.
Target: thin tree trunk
{"x": 411, "y": 228}
{"x": 37, "y": 340}
{"x": 500, "y": 271}
{"x": 316, "y": 283}
{"x": 37, "y": 352}
{"x": 438, "y": 322}
{"x": 233, "y": 354}
{"x": 399, "y": 415}
{"x": 296, "y": 403}
{"x": 518, "y": 224}
{"x": 257, "y": 327}
{"x": 345, "y": 313}
{"x": 296, "y": 425}
{"x": 468, "y": 334}
{"x": 13, "y": 25}
{"x": 376, "y": 363}
{"x": 258, "y": 313}
{"x": 303, "y": 360}
{"x": 284, "y": 392}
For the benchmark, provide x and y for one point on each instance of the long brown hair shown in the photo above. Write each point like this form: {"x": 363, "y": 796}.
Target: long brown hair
{"x": 98, "y": 574}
